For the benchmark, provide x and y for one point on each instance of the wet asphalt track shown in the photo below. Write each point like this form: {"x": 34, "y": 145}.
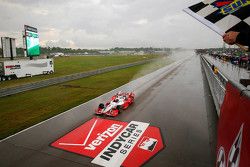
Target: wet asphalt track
{"x": 180, "y": 104}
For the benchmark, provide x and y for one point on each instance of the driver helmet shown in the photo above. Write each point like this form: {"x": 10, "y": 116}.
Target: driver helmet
{"x": 116, "y": 100}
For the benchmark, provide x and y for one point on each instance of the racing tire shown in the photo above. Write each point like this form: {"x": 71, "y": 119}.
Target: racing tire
{"x": 101, "y": 105}
{"x": 119, "y": 109}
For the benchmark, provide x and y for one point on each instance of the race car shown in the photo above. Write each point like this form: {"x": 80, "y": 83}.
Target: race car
{"x": 118, "y": 102}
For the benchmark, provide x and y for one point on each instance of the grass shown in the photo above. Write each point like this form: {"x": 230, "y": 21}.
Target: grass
{"x": 76, "y": 64}
{"x": 31, "y": 107}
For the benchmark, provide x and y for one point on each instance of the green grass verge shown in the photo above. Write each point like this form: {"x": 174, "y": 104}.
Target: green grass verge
{"x": 76, "y": 64}
{"x": 25, "y": 109}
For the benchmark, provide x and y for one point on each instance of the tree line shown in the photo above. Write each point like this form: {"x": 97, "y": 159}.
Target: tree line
{"x": 50, "y": 50}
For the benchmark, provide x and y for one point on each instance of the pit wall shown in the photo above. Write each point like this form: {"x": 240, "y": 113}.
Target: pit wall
{"x": 233, "y": 109}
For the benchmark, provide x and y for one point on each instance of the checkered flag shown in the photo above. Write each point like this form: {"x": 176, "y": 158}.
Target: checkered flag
{"x": 234, "y": 154}
{"x": 222, "y": 15}
{"x": 221, "y": 160}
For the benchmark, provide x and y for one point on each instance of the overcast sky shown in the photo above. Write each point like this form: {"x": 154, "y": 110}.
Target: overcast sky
{"x": 107, "y": 23}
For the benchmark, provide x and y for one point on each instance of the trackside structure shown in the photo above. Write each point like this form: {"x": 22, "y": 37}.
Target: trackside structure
{"x": 12, "y": 69}
{"x": 25, "y": 68}
{"x": 232, "y": 101}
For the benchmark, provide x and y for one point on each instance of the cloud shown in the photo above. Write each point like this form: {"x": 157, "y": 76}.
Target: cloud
{"x": 141, "y": 22}
{"x": 61, "y": 43}
{"x": 107, "y": 23}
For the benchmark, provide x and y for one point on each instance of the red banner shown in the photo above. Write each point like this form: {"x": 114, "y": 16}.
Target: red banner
{"x": 113, "y": 143}
{"x": 233, "y": 144}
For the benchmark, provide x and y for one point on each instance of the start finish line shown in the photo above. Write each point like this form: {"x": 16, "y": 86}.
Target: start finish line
{"x": 113, "y": 143}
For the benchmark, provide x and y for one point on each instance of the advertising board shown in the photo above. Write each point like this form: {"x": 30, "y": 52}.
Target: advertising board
{"x": 32, "y": 41}
{"x": 233, "y": 144}
{"x": 113, "y": 143}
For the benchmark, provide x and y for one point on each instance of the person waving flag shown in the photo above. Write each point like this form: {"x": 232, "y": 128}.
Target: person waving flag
{"x": 228, "y": 18}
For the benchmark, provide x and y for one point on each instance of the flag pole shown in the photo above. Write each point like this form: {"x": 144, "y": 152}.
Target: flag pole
{"x": 242, "y": 47}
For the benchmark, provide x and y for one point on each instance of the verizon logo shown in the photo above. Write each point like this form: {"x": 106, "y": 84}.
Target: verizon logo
{"x": 113, "y": 143}
{"x": 110, "y": 132}
{"x": 101, "y": 137}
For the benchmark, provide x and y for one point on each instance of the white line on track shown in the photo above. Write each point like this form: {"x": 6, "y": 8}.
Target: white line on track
{"x": 89, "y": 133}
{"x": 87, "y": 138}
{"x": 70, "y": 144}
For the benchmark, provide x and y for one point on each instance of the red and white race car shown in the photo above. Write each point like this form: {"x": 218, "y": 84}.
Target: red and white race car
{"x": 119, "y": 101}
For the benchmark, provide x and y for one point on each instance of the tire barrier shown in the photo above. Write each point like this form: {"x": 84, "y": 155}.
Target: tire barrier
{"x": 58, "y": 80}
{"x": 233, "y": 134}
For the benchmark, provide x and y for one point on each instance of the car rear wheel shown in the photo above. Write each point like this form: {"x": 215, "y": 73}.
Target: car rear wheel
{"x": 101, "y": 106}
{"x": 119, "y": 109}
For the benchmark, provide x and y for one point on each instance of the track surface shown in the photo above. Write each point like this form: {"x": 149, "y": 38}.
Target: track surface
{"x": 180, "y": 104}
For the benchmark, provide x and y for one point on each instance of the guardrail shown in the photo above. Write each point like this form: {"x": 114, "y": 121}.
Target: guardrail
{"x": 217, "y": 83}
